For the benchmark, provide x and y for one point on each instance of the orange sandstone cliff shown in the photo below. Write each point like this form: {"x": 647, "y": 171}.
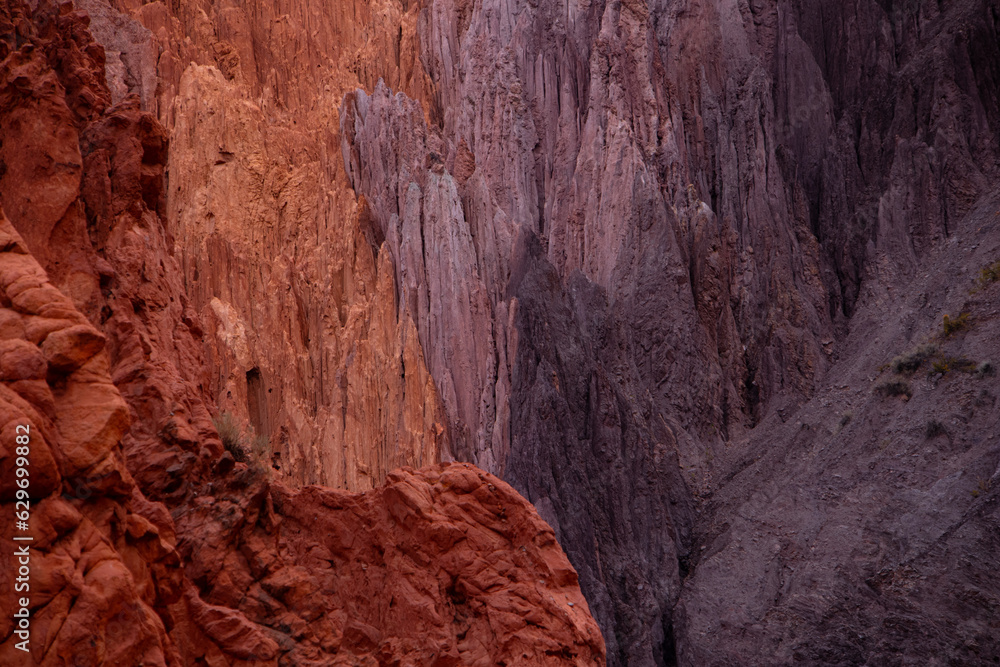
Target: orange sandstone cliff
{"x": 303, "y": 329}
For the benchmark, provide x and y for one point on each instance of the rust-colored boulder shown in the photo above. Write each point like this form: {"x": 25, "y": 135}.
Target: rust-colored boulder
{"x": 70, "y": 348}
{"x": 443, "y": 565}
{"x": 20, "y": 360}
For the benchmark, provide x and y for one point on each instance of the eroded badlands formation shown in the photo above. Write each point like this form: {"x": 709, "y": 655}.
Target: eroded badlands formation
{"x": 152, "y": 545}
{"x": 650, "y": 263}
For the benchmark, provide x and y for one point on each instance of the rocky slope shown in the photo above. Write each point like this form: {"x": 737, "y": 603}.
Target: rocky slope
{"x": 865, "y": 527}
{"x": 447, "y": 565}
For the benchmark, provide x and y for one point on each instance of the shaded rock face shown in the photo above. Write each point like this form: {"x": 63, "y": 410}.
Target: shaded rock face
{"x": 865, "y": 528}
{"x": 608, "y": 477}
{"x": 549, "y": 416}
{"x": 448, "y": 564}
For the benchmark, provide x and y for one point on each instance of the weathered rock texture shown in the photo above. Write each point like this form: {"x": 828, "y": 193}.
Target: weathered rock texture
{"x": 865, "y": 529}
{"x": 83, "y": 180}
{"x": 304, "y": 338}
{"x": 443, "y": 566}
{"x": 601, "y": 249}
{"x": 448, "y": 566}
{"x": 99, "y": 567}
{"x": 546, "y": 409}
{"x": 662, "y": 214}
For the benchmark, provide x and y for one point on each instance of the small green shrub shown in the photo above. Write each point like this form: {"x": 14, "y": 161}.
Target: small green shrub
{"x": 951, "y": 326}
{"x": 985, "y": 369}
{"x": 939, "y": 367}
{"x": 913, "y": 360}
{"x": 245, "y": 446}
{"x": 988, "y": 275}
{"x": 894, "y": 387}
{"x": 846, "y": 418}
{"x": 232, "y": 436}
{"x": 945, "y": 365}
{"x": 961, "y": 364}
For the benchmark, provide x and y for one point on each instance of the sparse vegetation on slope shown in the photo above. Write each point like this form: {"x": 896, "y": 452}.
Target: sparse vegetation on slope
{"x": 231, "y": 435}
{"x": 988, "y": 275}
{"x": 934, "y": 428}
{"x": 894, "y": 387}
{"x": 245, "y": 446}
{"x": 912, "y": 361}
{"x": 951, "y": 326}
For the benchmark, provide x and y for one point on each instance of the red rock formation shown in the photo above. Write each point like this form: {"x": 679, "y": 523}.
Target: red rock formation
{"x": 230, "y": 574}
{"x": 589, "y": 247}
{"x": 98, "y": 567}
{"x": 467, "y": 573}
{"x": 89, "y": 201}
{"x": 446, "y": 566}
{"x": 305, "y": 337}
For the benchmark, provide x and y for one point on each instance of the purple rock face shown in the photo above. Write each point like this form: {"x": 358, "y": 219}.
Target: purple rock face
{"x": 604, "y": 473}
{"x": 639, "y": 237}
{"x": 566, "y": 414}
